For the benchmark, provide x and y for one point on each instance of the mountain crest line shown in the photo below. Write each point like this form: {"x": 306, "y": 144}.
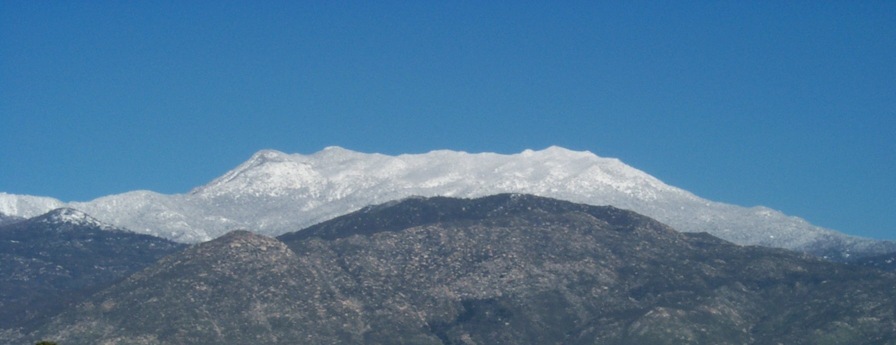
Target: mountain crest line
{"x": 274, "y": 192}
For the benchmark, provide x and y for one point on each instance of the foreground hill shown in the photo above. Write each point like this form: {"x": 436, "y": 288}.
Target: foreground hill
{"x": 506, "y": 269}
{"x": 54, "y": 260}
{"x": 273, "y": 193}
{"x": 885, "y": 262}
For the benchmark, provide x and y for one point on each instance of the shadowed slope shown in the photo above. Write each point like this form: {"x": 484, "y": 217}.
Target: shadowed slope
{"x": 507, "y": 269}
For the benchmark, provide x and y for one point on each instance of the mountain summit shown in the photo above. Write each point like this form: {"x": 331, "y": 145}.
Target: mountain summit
{"x": 274, "y": 193}
{"x": 71, "y": 217}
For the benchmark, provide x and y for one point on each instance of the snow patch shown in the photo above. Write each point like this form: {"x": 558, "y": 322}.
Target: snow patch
{"x": 73, "y": 217}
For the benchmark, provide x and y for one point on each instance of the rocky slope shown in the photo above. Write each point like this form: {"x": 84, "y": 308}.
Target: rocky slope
{"x": 506, "y": 269}
{"x": 274, "y": 193}
{"x": 241, "y": 288}
{"x": 4, "y": 219}
{"x": 884, "y": 262}
{"x": 54, "y": 260}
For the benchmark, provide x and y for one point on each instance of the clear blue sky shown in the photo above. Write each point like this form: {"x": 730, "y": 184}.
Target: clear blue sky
{"x": 788, "y": 104}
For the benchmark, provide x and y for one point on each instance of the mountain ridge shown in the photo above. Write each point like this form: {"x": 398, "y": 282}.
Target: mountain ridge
{"x": 274, "y": 193}
{"x": 70, "y": 216}
{"x": 50, "y": 261}
{"x": 503, "y": 269}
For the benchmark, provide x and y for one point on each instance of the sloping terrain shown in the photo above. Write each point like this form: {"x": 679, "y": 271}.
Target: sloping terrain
{"x": 884, "y": 261}
{"x": 506, "y": 269}
{"x": 54, "y": 260}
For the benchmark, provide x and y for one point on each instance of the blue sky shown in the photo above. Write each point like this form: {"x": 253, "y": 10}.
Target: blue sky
{"x": 791, "y": 105}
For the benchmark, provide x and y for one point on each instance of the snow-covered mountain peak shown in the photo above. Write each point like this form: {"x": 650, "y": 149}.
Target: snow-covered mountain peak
{"x": 554, "y": 155}
{"x": 336, "y": 150}
{"x": 266, "y": 173}
{"x": 558, "y": 152}
{"x": 336, "y": 173}
{"x": 274, "y": 192}
{"x": 26, "y": 206}
{"x": 259, "y": 159}
{"x": 267, "y": 155}
{"x": 70, "y": 216}
{"x": 332, "y": 155}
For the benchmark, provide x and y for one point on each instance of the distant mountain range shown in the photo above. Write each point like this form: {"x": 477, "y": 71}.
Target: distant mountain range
{"x": 275, "y": 193}
{"x": 503, "y": 269}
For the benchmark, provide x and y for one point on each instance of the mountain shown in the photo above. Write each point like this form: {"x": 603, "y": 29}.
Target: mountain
{"x": 54, "y": 260}
{"x": 241, "y": 288}
{"x": 883, "y": 261}
{"x": 504, "y": 269}
{"x": 274, "y": 193}
{"x": 26, "y": 206}
{"x": 4, "y": 219}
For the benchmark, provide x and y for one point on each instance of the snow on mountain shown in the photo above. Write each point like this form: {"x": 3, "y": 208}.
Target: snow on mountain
{"x": 337, "y": 174}
{"x": 274, "y": 192}
{"x": 176, "y": 217}
{"x": 26, "y": 206}
{"x": 72, "y": 216}
{"x": 267, "y": 173}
